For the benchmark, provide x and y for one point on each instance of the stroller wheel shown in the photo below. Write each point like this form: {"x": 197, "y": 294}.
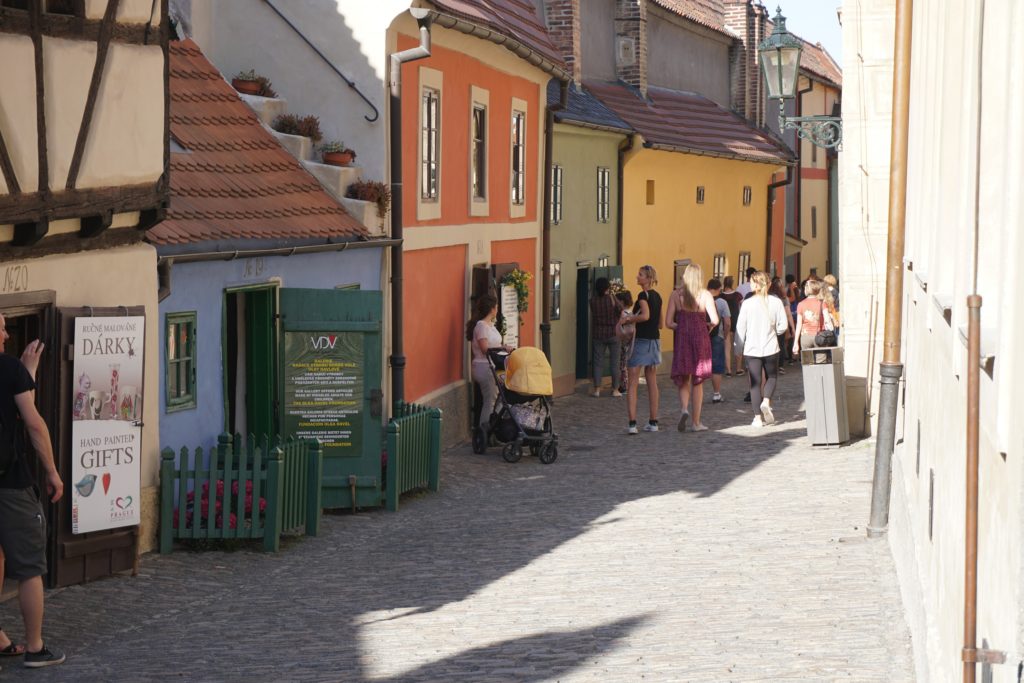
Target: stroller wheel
{"x": 479, "y": 441}
{"x": 512, "y": 452}
{"x": 549, "y": 452}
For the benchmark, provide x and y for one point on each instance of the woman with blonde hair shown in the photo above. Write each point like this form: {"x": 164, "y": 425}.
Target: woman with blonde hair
{"x": 646, "y": 315}
{"x": 762, "y": 318}
{"x": 689, "y": 309}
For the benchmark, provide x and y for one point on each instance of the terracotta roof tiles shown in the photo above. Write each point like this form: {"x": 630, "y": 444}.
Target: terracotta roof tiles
{"x": 234, "y": 180}
{"x": 690, "y": 123}
{"x": 708, "y": 13}
{"x": 513, "y": 18}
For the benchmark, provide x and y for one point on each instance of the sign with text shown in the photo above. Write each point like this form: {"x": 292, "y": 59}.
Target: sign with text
{"x": 323, "y": 389}
{"x": 106, "y": 432}
{"x": 510, "y": 312}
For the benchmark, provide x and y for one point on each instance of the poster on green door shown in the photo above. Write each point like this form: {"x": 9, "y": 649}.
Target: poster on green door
{"x": 323, "y": 389}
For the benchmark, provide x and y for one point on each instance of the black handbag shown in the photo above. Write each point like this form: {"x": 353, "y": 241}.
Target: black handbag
{"x": 825, "y": 338}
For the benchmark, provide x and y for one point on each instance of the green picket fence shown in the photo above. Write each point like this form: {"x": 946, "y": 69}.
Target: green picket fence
{"x": 252, "y": 490}
{"x": 414, "y": 451}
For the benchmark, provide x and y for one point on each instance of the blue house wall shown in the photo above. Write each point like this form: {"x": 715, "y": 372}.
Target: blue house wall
{"x": 200, "y": 286}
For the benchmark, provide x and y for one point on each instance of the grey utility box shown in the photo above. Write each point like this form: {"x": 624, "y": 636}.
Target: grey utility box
{"x": 825, "y": 396}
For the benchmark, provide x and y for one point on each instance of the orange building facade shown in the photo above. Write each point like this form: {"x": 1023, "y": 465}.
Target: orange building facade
{"x": 472, "y": 174}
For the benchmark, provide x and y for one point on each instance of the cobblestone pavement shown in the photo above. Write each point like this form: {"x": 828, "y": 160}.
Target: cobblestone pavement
{"x": 730, "y": 555}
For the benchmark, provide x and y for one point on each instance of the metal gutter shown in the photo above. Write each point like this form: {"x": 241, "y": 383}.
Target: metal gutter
{"x": 545, "y": 259}
{"x": 594, "y": 126}
{"x": 779, "y": 161}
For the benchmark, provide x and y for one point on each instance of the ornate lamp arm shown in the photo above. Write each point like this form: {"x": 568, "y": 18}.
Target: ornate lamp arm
{"x": 823, "y": 131}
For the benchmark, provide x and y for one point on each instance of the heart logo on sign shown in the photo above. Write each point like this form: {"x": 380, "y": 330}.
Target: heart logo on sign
{"x": 123, "y": 503}
{"x": 106, "y": 482}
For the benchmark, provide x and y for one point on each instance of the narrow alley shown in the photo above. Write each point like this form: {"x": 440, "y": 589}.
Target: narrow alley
{"x": 737, "y": 554}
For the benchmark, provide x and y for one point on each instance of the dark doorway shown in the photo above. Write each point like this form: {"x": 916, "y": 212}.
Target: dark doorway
{"x": 250, "y": 361}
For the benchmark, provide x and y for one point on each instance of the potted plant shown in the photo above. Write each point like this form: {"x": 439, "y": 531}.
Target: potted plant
{"x": 292, "y": 124}
{"x": 251, "y": 83}
{"x": 371, "y": 191}
{"x": 336, "y": 153}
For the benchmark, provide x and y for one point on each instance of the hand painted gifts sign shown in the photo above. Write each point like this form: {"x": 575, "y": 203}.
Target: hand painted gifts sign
{"x": 106, "y": 432}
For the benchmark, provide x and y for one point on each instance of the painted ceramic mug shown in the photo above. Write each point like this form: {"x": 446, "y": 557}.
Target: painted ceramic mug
{"x": 128, "y": 403}
{"x": 97, "y": 399}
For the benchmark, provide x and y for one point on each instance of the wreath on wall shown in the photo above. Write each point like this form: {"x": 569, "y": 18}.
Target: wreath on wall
{"x": 518, "y": 279}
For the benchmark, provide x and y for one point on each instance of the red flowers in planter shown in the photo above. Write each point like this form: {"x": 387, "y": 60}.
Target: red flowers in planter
{"x": 218, "y": 506}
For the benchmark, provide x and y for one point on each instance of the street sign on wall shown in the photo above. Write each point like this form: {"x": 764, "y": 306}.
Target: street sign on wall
{"x": 106, "y": 433}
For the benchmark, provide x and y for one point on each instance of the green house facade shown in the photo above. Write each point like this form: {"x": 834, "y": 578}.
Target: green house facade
{"x": 585, "y": 225}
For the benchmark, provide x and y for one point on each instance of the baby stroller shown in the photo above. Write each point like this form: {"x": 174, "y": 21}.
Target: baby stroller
{"x": 521, "y": 415}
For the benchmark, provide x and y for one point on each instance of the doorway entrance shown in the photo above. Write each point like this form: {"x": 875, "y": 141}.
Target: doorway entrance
{"x": 585, "y": 279}
{"x": 250, "y": 361}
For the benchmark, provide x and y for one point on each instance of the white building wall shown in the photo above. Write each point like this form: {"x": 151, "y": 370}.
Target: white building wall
{"x": 927, "y": 528}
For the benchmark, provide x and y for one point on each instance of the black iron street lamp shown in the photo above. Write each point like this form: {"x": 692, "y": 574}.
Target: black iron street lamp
{"x": 780, "y": 61}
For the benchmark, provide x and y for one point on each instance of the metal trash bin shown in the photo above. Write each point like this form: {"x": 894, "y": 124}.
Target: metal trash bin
{"x": 825, "y": 395}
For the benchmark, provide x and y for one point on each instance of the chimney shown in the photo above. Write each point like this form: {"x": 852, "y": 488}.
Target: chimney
{"x": 563, "y": 19}
{"x": 748, "y": 19}
{"x": 631, "y": 43}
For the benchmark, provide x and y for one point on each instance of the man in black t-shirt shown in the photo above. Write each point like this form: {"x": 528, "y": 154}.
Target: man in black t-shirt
{"x": 22, "y": 518}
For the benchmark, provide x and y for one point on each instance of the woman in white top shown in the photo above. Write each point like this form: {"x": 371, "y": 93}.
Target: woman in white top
{"x": 762, "y": 318}
{"x": 480, "y": 330}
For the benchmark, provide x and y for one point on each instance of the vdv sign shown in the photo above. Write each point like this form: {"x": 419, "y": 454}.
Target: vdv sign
{"x": 324, "y": 342}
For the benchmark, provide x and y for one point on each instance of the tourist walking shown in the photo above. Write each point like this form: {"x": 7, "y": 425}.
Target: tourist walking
{"x": 720, "y": 335}
{"x": 733, "y": 299}
{"x": 604, "y": 314}
{"x": 689, "y": 309}
{"x": 646, "y": 355}
{"x": 625, "y": 298}
{"x": 483, "y": 334}
{"x": 812, "y": 317}
{"x": 762, "y": 318}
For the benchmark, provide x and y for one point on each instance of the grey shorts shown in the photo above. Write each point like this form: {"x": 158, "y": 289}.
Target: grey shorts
{"x": 22, "y": 533}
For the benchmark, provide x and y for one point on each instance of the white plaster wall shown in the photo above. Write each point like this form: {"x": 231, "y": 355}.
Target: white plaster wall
{"x": 128, "y": 12}
{"x": 125, "y": 144}
{"x": 927, "y": 528}
{"x": 18, "y": 111}
{"x": 243, "y": 34}
{"x": 67, "y": 69}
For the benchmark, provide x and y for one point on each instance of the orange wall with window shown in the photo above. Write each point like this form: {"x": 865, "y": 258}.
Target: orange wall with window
{"x": 434, "y": 312}
{"x": 524, "y": 253}
{"x": 460, "y": 72}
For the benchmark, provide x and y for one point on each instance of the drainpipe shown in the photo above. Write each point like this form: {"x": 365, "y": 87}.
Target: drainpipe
{"x": 798, "y": 187}
{"x": 545, "y": 259}
{"x": 891, "y": 368}
{"x": 423, "y": 19}
{"x": 768, "y": 236}
{"x": 619, "y": 212}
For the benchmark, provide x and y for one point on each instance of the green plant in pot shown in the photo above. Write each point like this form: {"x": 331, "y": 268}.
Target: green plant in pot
{"x": 371, "y": 191}
{"x": 292, "y": 124}
{"x": 336, "y": 153}
{"x": 251, "y": 83}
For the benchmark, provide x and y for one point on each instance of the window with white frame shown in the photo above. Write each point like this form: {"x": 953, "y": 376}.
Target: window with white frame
{"x": 518, "y": 157}
{"x": 744, "y": 264}
{"x": 719, "y": 269}
{"x": 556, "y": 194}
{"x": 555, "y": 272}
{"x": 602, "y": 261}
{"x": 478, "y": 172}
{"x": 748, "y": 195}
{"x": 604, "y": 194}
{"x": 431, "y": 138}
{"x": 700, "y": 194}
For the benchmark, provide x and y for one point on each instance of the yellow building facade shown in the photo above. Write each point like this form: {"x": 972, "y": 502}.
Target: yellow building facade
{"x": 686, "y": 208}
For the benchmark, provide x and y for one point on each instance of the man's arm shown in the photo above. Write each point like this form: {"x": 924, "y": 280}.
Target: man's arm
{"x": 40, "y": 436}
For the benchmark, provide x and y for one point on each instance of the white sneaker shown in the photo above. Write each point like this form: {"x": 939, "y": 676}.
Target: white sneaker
{"x": 766, "y": 412}
{"x": 616, "y": 393}
{"x": 716, "y": 397}
{"x": 596, "y": 393}
{"x": 758, "y": 422}
{"x": 650, "y": 428}
{"x": 632, "y": 430}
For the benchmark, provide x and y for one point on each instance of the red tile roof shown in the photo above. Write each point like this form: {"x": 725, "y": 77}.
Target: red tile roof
{"x": 819, "y": 62}
{"x": 708, "y": 13}
{"x": 235, "y": 181}
{"x": 512, "y": 18}
{"x": 691, "y": 123}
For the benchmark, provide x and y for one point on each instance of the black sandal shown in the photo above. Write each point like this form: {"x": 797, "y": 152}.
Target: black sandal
{"x": 12, "y": 650}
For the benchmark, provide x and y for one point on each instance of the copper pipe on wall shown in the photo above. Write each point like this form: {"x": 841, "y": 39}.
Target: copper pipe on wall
{"x": 971, "y": 516}
{"x": 891, "y": 368}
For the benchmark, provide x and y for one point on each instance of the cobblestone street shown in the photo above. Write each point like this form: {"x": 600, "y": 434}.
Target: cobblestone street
{"x": 735, "y": 554}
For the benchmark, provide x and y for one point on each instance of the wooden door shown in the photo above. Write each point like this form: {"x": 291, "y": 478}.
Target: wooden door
{"x": 331, "y": 386}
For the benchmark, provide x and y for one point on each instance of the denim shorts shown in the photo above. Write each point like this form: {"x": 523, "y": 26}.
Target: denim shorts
{"x": 717, "y": 355}
{"x": 22, "y": 533}
{"x": 645, "y": 352}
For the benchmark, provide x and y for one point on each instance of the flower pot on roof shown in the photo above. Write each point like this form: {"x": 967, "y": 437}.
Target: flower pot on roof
{"x": 371, "y": 191}
{"x": 336, "y": 153}
{"x": 251, "y": 83}
{"x": 307, "y": 126}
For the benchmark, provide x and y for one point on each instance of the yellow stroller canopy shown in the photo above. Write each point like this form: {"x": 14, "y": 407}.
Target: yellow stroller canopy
{"x": 528, "y": 372}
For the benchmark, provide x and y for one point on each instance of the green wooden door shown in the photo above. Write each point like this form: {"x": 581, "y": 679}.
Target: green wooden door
{"x": 331, "y": 386}
{"x": 586, "y": 277}
{"x": 261, "y": 364}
